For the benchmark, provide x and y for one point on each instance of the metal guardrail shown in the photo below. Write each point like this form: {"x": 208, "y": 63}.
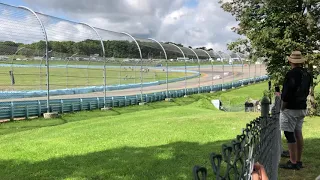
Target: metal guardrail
{"x": 259, "y": 142}
{"x": 27, "y": 109}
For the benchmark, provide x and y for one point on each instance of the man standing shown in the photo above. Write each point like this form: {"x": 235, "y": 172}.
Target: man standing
{"x": 295, "y": 90}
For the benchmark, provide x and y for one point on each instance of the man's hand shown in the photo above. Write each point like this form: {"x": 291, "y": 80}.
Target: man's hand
{"x": 259, "y": 173}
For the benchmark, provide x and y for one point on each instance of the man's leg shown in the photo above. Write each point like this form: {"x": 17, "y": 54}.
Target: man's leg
{"x": 292, "y": 145}
{"x": 288, "y": 124}
{"x": 299, "y": 139}
{"x": 299, "y": 136}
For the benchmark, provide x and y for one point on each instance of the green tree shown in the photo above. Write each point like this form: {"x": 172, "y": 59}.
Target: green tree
{"x": 275, "y": 28}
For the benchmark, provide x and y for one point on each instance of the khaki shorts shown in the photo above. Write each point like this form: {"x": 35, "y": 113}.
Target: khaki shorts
{"x": 292, "y": 120}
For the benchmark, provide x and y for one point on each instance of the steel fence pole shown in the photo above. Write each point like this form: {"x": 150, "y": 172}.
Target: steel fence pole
{"x": 242, "y": 67}
{"x": 222, "y": 69}
{"x": 104, "y": 65}
{"x": 88, "y": 71}
{"x": 167, "y": 68}
{"x": 141, "y": 60}
{"x": 120, "y": 73}
{"x": 14, "y": 56}
{"x": 47, "y": 54}
{"x": 185, "y": 69}
{"x": 199, "y": 80}
{"x": 232, "y": 70}
{"x": 67, "y": 68}
{"x": 210, "y": 59}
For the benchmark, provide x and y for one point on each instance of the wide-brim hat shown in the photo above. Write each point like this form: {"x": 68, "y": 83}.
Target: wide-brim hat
{"x": 296, "y": 58}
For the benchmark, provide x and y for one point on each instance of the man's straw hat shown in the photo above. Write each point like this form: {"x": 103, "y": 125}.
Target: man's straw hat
{"x": 296, "y": 58}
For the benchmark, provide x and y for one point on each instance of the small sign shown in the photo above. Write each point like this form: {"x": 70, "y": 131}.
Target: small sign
{"x": 216, "y": 104}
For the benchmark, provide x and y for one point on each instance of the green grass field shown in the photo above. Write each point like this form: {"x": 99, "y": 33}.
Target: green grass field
{"x": 29, "y": 79}
{"x": 161, "y": 140}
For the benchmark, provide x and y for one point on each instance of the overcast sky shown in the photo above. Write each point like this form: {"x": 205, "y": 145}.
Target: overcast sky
{"x": 190, "y": 22}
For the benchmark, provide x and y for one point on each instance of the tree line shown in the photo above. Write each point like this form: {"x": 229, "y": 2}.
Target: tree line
{"x": 65, "y": 49}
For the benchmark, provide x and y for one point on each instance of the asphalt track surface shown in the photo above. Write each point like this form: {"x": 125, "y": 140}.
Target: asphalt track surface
{"x": 207, "y": 77}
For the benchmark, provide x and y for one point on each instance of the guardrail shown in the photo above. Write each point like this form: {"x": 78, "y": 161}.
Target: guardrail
{"x": 27, "y": 109}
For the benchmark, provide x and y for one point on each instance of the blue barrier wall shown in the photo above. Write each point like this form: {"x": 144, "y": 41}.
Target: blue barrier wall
{"x": 85, "y": 90}
{"x": 26, "y": 109}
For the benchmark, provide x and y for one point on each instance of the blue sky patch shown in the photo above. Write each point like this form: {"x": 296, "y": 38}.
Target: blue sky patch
{"x": 192, "y": 3}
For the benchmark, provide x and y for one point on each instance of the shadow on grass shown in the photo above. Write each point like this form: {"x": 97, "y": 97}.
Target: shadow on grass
{"x": 311, "y": 162}
{"x": 18, "y": 126}
{"x": 171, "y": 161}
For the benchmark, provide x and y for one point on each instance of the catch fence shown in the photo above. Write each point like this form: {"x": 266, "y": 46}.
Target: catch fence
{"x": 45, "y": 56}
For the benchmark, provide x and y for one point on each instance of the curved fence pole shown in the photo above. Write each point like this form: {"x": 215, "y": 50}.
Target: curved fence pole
{"x": 88, "y": 65}
{"x": 141, "y": 74}
{"x": 120, "y": 75}
{"x": 67, "y": 68}
{"x": 104, "y": 65}
{"x": 222, "y": 69}
{"x": 199, "y": 81}
{"x": 47, "y": 54}
{"x": 14, "y": 56}
{"x": 230, "y": 58}
{"x": 242, "y": 66}
{"x": 185, "y": 69}
{"x": 166, "y": 57}
{"x": 210, "y": 58}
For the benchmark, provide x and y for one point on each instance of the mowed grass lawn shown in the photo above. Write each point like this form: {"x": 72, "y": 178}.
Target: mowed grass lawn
{"x": 161, "y": 140}
{"x": 60, "y": 78}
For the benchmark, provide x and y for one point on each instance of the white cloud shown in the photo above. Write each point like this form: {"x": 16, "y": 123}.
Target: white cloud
{"x": 175, "y": 16}
{"x": 19, "y": 25}
{"x": 166, "y": 20}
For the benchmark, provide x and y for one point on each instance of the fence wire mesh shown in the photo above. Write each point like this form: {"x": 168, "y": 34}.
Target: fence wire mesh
{"x": 260, "y": 141}
{"x": 81, "y": 61}
{"x": 22, "y": 40}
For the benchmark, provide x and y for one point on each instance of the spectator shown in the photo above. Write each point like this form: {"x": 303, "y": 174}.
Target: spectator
{"x": 295, "y": 90}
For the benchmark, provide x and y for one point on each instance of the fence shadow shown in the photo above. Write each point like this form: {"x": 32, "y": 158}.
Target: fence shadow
{"x": 171, "y": 161}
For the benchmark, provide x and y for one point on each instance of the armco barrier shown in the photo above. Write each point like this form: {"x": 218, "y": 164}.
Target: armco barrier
{"x": 26, "y": 109}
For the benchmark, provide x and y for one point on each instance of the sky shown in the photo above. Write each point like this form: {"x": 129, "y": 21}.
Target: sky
{"x": 193, "y": 23}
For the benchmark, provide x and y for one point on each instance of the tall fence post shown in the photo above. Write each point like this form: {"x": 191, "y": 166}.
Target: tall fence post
{"x": 141, "y": 65}
{"x": 104, "y": 65}
{"x": 185, "y": 69}
{"x": 278, "y": 146}
{"x": 47, "y": 53}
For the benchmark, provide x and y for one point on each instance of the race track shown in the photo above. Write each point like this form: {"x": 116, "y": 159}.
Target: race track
{"x": 205, "y": 80}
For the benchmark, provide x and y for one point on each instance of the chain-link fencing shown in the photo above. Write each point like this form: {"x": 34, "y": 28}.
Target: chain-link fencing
{"x": 260, "y": 141}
